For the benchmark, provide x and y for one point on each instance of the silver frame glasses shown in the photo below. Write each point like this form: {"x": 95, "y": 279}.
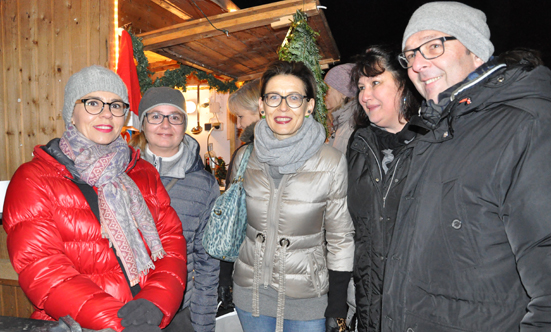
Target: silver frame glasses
{"x": 404, "y": 61}
{"x": 83, "y": 101}
{"x": 284, "y": 97}
{"x": 163, "y": 119}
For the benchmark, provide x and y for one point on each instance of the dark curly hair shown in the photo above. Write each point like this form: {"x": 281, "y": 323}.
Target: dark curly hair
{"x": 374, "y": 61}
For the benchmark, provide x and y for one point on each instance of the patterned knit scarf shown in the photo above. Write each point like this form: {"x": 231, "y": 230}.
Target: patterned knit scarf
{"x": 122, "y": 208}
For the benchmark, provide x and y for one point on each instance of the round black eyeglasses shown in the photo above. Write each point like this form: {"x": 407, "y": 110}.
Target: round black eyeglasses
{"x": 95, "y": 106}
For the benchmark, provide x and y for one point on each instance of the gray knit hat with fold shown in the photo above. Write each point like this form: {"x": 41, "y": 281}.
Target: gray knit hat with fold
{"x": 162, "y": 96}
{"x": 88, "y": 80}
{"x": 465, "y": 23}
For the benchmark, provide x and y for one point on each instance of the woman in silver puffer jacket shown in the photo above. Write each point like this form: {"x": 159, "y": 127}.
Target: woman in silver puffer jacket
{"x": 296, "y": 260}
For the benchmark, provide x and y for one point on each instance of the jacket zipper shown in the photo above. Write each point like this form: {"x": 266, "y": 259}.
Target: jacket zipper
{"x": 374, "y": 155}
{"x": 314, "y": 273}
{"x": 391, "y": 181}
{"x": 272, "y": 227}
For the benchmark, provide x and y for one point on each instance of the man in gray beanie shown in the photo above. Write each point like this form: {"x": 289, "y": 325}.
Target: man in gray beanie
{"x": 471, "y": 249}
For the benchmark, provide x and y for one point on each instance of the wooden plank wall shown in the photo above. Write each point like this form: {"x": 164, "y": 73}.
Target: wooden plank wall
{"x": 42, "y": 43}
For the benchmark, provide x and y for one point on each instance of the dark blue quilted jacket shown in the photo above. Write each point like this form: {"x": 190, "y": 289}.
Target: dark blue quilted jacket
{"x": 192, "y": 197}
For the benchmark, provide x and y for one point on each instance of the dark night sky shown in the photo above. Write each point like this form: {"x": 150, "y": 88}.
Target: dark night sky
{"x": 356, "y": 24}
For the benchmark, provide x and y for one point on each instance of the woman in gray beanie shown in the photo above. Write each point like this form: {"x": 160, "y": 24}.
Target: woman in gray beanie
{"x": 90, "y": 229}
{"x": 341, "y": 103}
{"x": 163, "y": 143}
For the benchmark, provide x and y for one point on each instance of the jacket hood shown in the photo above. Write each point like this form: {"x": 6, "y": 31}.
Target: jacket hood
{"x": 188, "y": 161}
{"x": 500, "y": 84}
{"x": 491, "y": 85}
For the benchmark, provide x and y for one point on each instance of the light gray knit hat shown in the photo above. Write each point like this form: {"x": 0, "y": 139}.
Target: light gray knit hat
{"x": 465, "y": 23}
{"x": 87, "y": 80}
{"x": 162, "y": 96}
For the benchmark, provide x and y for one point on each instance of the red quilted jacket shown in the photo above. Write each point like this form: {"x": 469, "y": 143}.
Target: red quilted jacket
{"x": 65, "y": 267}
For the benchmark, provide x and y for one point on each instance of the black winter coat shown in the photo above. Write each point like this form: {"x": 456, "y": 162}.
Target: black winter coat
{"x": 373, "y": 199}
{"x": 472, "y": 244}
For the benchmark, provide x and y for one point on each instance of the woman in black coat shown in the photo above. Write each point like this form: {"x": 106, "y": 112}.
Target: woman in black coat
{"x": 378, "y": 160}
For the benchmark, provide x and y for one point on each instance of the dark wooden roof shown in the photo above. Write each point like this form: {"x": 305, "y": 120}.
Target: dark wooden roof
{"x": 254, "y": 34}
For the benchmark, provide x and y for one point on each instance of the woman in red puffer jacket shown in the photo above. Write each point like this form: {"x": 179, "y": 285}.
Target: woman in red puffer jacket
{"x": 65, "y": 258}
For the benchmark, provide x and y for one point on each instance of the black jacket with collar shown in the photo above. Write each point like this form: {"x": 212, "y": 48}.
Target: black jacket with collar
{"x": 472, "y": 243}
{"x": 373, "y": 198}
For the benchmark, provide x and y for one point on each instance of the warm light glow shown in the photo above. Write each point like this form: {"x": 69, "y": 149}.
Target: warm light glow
{"x": 116, "y": 4}
{"x": 190, "y": 106}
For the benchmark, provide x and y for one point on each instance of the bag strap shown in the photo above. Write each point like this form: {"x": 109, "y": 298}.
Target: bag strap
{"x": 92, "y": 199}
{"x": 171, "y": 184}
{"x": 244, "y": 162}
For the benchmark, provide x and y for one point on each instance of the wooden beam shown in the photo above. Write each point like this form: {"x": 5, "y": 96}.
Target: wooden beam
{"x": 194, "y": 64}
{"x": 163, "y": 65}
{"x": 284, "y": 21}
{"x": 233, "y": 21}
{"x": 168, "y": 5}
{"x": 324, "y": 64}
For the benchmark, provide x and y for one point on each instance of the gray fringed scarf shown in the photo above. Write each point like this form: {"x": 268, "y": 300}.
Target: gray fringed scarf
{"x": 122, "y": 208}
{"x": 291, "y": 153}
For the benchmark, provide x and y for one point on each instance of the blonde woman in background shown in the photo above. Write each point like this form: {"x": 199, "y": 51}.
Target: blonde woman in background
{"x": 243, "y": 103}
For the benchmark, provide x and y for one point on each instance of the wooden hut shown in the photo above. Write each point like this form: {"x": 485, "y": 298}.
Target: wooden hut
{"x": 42, "y": 43}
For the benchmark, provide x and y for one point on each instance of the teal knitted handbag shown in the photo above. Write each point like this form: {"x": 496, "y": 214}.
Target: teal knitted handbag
{"x": 225, "y": 230}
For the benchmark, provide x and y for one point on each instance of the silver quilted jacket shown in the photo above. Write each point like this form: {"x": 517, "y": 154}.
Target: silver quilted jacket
{"x": 305, "y": 220}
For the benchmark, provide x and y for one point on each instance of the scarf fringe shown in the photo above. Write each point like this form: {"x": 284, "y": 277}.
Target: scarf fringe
{"x": 157, "y": 255}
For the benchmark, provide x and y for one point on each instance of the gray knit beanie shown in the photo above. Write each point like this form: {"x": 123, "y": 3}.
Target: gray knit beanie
{"x": 338, "y": 78}
{"x": 465, "y": 23}
{"x": 88, "y": 80}
{"x": 162, "y": 96}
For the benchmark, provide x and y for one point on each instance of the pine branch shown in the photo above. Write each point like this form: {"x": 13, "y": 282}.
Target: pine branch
{"x": 300, "y": 45}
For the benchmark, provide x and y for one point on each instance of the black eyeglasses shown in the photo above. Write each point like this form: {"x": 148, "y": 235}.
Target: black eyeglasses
{"x": 429, "y": 50}
{"x": 158, "y": 118}
{"x": 95, "y": 106}
{"x": 294, "y": 100}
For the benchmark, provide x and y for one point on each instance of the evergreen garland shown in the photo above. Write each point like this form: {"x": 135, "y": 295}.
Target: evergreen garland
{"x": 300, "y": 45}
{"x": 173, "y": 77}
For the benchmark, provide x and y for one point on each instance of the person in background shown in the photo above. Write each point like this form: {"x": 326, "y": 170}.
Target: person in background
{"x": 296, "y": 261}
{"x": 378, "y": 157}
{"x": 163, "y": 143}
{"x": 472, "y": 244}
{"x": 115, "y": 259}
{"x": 341, "y": 103}
{"x": 242, "y": 103}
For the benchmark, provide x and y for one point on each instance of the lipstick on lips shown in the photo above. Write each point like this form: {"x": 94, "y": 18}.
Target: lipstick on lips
{"x": 282, "y": 119}
{"x": 104, "y": 128}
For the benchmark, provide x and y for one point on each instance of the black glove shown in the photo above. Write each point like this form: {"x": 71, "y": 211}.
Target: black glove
{"x": 142, "y": 328}
{"x": 335, "y": 325}
{"x": 140, "y": 312}
{"x": 225, "y": 296}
